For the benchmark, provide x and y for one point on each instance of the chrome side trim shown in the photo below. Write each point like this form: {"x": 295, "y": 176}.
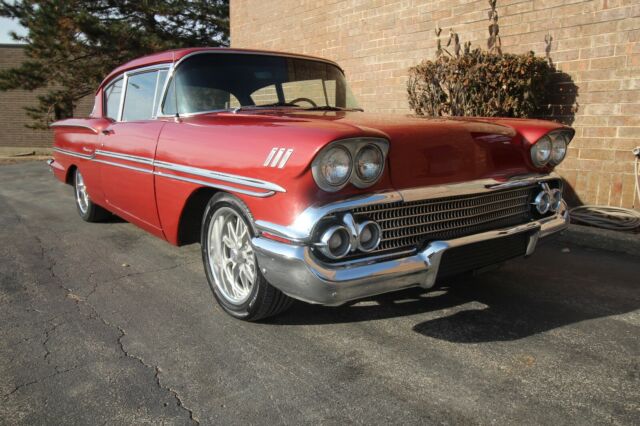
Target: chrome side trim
{"x": 79, "y": 126}
{"x": 301, "y": 229}
{"x": 74, "y": 154}
{"x": 225, "y": 177}
{"x": 215, "y": 185}
{"x": 268, "y": 187}
{"x": 126, "y": 157}
{"x": 124, "y": 166}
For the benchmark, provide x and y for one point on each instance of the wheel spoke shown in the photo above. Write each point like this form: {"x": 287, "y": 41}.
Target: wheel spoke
{"x": 228, "y": 242}
{"x": 238, "y": 230}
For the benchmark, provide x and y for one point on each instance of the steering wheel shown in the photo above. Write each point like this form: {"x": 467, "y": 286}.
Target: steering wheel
{"x": 296, "y": 100}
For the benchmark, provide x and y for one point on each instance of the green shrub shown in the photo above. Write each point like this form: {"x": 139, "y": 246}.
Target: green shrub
{"x": 480, "y": 83}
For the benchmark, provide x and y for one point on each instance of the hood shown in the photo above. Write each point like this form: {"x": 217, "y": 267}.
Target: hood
{"x": 431, "y": 151}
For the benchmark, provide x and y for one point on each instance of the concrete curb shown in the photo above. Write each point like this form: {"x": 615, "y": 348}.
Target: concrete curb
{"x": 587, "y": 236}
{"x": 8, "y": 151}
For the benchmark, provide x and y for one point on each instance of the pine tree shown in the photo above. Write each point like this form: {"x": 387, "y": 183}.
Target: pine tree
{"x": 72, "y": 45}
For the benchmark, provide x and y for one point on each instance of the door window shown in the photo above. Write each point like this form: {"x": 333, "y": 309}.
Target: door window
{"x": 139, "y": 96}
{"x": 112, "y": 95}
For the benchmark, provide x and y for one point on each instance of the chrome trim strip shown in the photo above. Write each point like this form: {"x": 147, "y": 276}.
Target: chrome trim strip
{"x": 215, "y": 185}
{"x": 80, "y": 126}
{"x": 270, "y": 188}
{"x": 126, "y": 157}
{"x": 225, "y": 177}
{"x": 270, "y": 156}
{"x": 301, "y": 229}
{"x": 285, "y": 158}
{"x": 277, "y": 157}
{"x": 74, "y": 154}
{"x": 124, "y": 166}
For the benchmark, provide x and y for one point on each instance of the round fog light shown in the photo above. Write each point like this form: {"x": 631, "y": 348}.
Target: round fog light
{"x": 335, "y": 242}
{"x": 369, "y": 236}
{"x": 542, "y": 202}
{"x": 556, "y": 200}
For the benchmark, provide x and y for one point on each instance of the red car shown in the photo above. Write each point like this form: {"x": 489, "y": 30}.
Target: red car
{"x": 293, "y": 191}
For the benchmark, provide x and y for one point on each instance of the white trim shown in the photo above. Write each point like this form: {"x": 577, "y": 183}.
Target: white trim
{"x": 74, "y": 154}
{"x": 226, "y": 177}
{"x": 124, "y": 166}
{"x": 270, "y": 188}
{"x": 214, "y": 185}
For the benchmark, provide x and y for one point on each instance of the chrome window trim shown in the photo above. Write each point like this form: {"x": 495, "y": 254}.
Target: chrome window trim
{"x": 74, "y": 154}
{"x": 301, "y": 230}
{"x": 151, "y": 68}
{"x": 125, "y": 80}
{"x": 81, "y": 126}
{"x": 104, "y": 96}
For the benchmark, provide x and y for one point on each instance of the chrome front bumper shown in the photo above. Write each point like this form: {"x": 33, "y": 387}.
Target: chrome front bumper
{"x": 298, "y": 273}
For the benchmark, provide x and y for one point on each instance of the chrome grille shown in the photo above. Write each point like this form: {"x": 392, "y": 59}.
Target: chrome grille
{"x": 410, "y": 225}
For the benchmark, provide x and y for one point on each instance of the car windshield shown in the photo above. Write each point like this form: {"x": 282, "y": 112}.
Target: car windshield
{"x": 212, "y": 82}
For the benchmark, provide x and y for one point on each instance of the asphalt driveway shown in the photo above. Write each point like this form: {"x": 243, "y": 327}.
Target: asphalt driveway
{"x": 106, "y": 324}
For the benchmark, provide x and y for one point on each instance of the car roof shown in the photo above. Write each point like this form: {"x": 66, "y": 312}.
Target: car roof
{"x": 172, "y": 56}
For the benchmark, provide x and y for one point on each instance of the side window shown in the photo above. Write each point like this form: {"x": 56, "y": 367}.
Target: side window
{"x": 139, "y": 96}
{"x": 112, "y": 96}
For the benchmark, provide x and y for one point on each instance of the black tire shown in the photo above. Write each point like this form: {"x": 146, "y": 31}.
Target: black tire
{"x": 87, "y": 209}
{"x": 263, "y": 300}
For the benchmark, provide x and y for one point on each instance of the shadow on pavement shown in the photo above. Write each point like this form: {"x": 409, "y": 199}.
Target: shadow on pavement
{"x": 526, "y": 297}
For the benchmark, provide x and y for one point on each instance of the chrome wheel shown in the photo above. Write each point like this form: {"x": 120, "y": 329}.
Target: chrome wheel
{"x": 230, "y": 256}
{"x": 82, "y": 198}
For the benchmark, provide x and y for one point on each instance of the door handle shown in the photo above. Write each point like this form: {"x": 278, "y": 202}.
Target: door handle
{"x": 108, "y": 132}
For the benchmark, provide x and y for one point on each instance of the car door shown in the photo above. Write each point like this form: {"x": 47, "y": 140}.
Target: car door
{"x": 128, "y": 148}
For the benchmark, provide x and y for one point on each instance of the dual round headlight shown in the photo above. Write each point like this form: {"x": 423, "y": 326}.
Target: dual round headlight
{"x": 360, "y": 162}
{"x": 335, "y": 167}
{"x": 550, "y": 149}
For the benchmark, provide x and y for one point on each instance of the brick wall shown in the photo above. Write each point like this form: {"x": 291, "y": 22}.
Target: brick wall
{"x": 595, "y": 42}
{"x": 13, "y": 117}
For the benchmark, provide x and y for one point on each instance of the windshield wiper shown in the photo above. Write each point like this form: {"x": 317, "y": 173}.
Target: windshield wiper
{"x": 277, "y": 104}
{"x": 272, "y": 105}
{"x": 332, "y": 108}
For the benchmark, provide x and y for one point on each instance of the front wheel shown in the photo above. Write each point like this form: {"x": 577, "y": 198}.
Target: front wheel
{"x": 87, "y": 210}
{"x": 230, "y": 263}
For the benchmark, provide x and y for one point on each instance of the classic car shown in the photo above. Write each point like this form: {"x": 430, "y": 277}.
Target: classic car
{"x": 294, "y": 192}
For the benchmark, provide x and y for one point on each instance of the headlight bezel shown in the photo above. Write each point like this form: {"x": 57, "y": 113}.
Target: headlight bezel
{"x": 555, "y": 138}
{"x": 353, "y": 146}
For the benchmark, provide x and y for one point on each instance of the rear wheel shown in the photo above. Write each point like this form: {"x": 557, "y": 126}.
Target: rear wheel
{"x": 231, "y": 265}
{"x": 87, "y": 210}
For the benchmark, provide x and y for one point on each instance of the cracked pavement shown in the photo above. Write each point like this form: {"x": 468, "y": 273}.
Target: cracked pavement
{"x": 104, "y": 323}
